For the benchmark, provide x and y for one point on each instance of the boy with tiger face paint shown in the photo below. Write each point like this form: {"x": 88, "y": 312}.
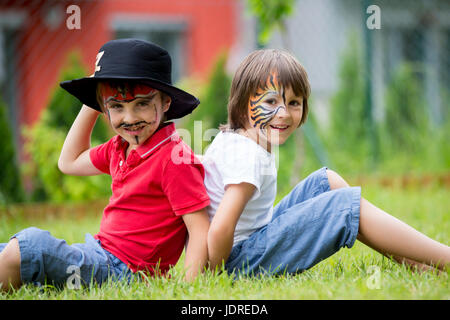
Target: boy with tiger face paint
{"x": 274, "y": 111}
{"x": 250, "y": 236}
{"x": 268, "y": 98}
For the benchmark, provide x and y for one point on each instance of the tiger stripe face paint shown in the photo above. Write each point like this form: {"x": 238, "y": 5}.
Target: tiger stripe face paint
{"x": 274, "y": 112}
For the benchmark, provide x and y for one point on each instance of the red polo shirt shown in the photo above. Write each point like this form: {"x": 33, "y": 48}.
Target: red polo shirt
{"x": 151, "y": 189}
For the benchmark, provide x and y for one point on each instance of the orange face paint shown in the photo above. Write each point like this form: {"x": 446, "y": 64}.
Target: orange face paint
{"x": 260, "y": 112}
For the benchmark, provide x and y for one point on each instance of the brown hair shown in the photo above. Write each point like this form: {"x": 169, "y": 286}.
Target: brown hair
{"x": 98, "y": 95}
{"x": 252, "y": 74}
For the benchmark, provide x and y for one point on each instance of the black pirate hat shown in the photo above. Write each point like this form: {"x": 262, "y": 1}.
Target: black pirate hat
{"x": 135, "y": 60}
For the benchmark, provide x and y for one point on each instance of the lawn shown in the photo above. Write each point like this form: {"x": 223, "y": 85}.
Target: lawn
{"x": 356, "y": 273}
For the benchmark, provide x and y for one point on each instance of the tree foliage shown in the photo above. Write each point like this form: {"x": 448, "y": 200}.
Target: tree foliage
{"x": 44, "y": 144}
{"x": 212, "y": 111}
{"x": 270, "y": 15}
{"x": 406, "y": 110}
{"x": 10, "y": 180}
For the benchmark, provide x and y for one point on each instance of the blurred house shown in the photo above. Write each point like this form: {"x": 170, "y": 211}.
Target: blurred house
{"x": 35, "y": 40}
{"x": 411, "y": 31}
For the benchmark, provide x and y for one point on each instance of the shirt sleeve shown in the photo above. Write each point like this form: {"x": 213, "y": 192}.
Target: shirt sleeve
{"x": 101, "y": 156}
{"x": 240, "y": 162}
{"x": 184, "y": 187}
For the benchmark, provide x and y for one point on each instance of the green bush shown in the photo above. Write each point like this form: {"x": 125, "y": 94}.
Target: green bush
{"x": 10, "y": 182}
{"x": 408, "y": 139}
{"x": 347, "y": 105}
{"x": 347, "y": 137}
{"x": 51, "y": 184}
{"x": 44, "y": 144}
{"x": 64, "y": 107}
{"x": 212, "y": 110}
{"x": 406, "y": 111}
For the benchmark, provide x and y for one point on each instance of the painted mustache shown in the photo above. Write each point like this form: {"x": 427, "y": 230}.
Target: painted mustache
{"x": 128, "y": 125}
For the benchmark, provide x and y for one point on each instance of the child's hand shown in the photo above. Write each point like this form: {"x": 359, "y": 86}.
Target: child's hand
{"x": 74, "y": 158}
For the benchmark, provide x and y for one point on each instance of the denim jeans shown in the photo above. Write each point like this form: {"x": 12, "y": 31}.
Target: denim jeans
{"x": 308, "y": 225}
{"x": 45, "y": 259}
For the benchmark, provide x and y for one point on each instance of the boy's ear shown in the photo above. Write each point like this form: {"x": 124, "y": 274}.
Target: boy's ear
{"x": 166, "y": 103}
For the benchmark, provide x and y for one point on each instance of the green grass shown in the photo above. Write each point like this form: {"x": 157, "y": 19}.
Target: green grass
{"x": 345, "y": 275}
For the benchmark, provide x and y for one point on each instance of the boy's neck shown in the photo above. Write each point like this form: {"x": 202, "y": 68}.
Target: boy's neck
{"x": 130, "y": 147}
{"x": 256, "y": 136}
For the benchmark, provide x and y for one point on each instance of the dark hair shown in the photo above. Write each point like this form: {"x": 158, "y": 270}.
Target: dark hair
{"x": 253, "y": 73}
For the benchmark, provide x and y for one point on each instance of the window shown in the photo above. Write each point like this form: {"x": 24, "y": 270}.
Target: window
{"x": 166, "y": 32}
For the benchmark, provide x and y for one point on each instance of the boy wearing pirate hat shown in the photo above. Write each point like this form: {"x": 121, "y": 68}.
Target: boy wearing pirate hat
{"x": 156, "y": 198}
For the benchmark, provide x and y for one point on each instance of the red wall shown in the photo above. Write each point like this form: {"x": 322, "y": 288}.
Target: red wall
{"x": 42, "y": 52}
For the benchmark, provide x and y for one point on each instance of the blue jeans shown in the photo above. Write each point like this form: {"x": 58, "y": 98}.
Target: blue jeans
{"x": 308, "y": 225}
{"x": 45, "y": 259}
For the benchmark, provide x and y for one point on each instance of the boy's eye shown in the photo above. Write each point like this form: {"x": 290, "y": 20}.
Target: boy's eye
{"x": 143, "y": 103}
{"x": 115, "y": 106}
{"x": 295, "y": 103}
{"x": 271, "y": 101}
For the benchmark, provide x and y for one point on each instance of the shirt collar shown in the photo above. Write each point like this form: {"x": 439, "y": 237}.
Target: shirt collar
{"x": 160, "y": 137}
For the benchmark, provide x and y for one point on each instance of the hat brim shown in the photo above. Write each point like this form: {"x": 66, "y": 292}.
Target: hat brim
{"x": 84, "y": 89}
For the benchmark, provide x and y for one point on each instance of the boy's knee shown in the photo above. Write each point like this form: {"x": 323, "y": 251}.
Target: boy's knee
{"x": 335, "y": 180}
{"x": 34, "y": 234}
{"x": 10, "y": 256}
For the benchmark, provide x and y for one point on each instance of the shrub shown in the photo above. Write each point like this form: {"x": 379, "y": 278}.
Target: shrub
{"x": 212, "y": 110}
{"x": 64, "y": 107}
{"x": 10, "y": 182}
{"x": 406, "y": 111}
{"x": 347, "y": 105}
{"x": 45, "y": 140}
{"x": 45, "y": 147}
{"x": 347, "y": 137}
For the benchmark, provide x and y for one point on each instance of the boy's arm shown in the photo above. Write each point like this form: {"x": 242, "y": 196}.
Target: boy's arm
{"x": 197, "y": 224}
{"x": 74, "y": 158}
{"x": 221, "y": 231}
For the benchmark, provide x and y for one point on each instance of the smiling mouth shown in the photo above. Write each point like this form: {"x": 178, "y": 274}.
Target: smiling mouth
{"x": 135, "y": 130}
{"x": 279, "y": 127}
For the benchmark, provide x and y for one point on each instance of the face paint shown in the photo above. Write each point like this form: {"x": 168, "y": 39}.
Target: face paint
{"x": 124, "y": 93}
{"x": 128, "y": 125}
{"x": 134, "y": 113}
{"x": 261, "y": 112}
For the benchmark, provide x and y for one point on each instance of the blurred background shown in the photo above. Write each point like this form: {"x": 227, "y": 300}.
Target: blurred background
{"x": 379, "y": 108}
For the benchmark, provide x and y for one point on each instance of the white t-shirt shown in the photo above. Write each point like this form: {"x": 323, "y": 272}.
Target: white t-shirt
{"x": 232, "y": 159}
